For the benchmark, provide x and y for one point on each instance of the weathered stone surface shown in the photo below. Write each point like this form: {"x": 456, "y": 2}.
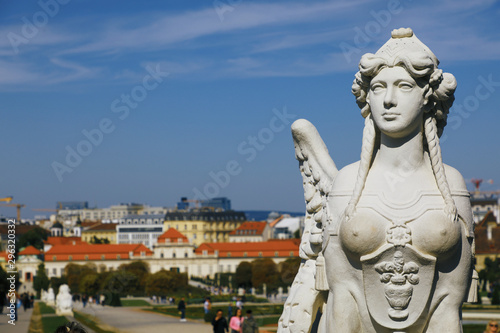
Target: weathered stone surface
{"x": 388, "y": 240}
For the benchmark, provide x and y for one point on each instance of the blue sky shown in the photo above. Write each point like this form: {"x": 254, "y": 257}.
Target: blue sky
{"x": 67, "y": 68}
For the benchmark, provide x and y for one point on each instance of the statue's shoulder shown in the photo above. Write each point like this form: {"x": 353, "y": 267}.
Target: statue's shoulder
{"x": 455, "y": 179}
{"x": 346, "y": 178}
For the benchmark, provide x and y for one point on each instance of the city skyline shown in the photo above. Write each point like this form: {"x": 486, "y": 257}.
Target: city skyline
{"x": 126, "y": 102}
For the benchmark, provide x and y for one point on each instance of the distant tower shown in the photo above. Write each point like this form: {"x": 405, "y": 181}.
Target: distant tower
{"x": 77, "y": 229}
{"x": 56, "y": 230}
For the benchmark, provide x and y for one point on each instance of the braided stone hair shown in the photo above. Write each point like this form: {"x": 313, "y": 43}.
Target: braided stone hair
{"x": 438, "y": 98}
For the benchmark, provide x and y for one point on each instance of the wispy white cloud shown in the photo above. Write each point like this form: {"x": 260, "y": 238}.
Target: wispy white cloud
{"x": 254, "y": 40}
{"x": 162, "y": 31}
{"x": 72, "y": 71}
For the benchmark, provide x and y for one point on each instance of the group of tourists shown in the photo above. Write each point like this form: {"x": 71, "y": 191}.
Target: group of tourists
{"x": 237, "y": 323}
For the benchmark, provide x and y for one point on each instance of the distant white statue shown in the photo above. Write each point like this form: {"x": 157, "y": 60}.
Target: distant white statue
{"x": 50, "y": 297}
{"x": 64, "y": 301}
{"x": 388, "y": 244}
{"x": 43, "y": 296}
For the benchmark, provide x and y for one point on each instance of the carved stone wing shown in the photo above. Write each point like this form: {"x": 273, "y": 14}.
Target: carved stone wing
{"x": 318, "y": 172}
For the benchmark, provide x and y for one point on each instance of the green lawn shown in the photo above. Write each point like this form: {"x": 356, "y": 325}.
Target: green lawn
{"x": 50, "y": 324}
{"x": 45, "y": 309}
{"x": 134, "y": 302}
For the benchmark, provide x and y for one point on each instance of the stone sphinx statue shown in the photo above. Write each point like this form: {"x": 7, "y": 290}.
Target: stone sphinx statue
{"x": 388, "y": 244}
{"x": 50, "y": 297}
{"x": 64, "y": 301}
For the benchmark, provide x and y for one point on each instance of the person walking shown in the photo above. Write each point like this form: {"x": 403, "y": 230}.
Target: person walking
{"x": 219, "y": 323}
{"x": 207, "y": 305}
{"x": 26, "y": 301}
{"x": 249, "y": 325}
{"x": 236, "y": 321}
{"x": 229, "y": 311}
{"x": 182, "y": 309}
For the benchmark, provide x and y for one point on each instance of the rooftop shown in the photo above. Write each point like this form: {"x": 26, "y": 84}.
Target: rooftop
{"x": 271, "y": 248}
{"x": 96, "y": 252}
{"x": 64, "y": 241}
{"x": 249, "y": 228}
{"x": 102, "y": 227}
{"x": 172, "y": 236}
{"x": 29, "y": 251}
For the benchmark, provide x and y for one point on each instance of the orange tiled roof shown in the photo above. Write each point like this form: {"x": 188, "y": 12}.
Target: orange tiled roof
{"x": 30, "y": 250}
{"x": 173, "y": 235}
{"x": 271, "y": 248}
{"x": 86, "y": 251}
{"x": 249, "y": 229}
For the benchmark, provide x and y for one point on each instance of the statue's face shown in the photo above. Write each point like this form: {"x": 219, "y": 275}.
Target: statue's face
{"x": 396, "y": 102}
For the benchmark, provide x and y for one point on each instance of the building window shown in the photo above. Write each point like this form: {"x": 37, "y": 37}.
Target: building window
{"x": 245, "y": 254}
{"x": 54, "y": 272}
{"x": 185, "y": 255}
{"x": 86, "y": 257}
{"x": 216, "y": 252}
{"x": 205, "y": 252}
{"x": 54, "y": 258}
{"x": 229, "y": 254}
{"x": 118, "y": 257}
{"x": 70, "y": 258}
{"x": 161, "y": 255}
{"x": 260, "y": 254}
{"x": 276, "y": 254}
{"x": 102, "y": 257}
{"x": 291, "y": 254}
{"x": 173, "y": 255}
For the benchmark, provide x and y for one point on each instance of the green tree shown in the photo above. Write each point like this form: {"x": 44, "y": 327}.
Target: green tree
{"x": 90, "y": 284}
{"x": 141, "y": 270}
{"x": 95, "y": 240}
{"x": 120, "y": 282}
{"x": 288, "y": 269}
{"x": 243, "y": 275}
{"x": 165, "y": 282}
{"x": 223, "y": 279}
{"x": 74, "y": 273}
{"x": 56, "y": 282}
{"x": 41, "y": 281}
{"x": 34, "y": 237}
{"x": 265, "y": 271}
{"x": 296, "y": 233}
